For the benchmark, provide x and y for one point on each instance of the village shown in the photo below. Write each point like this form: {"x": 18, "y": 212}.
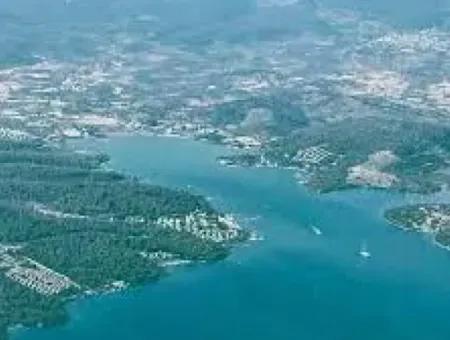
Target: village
{"x": 199, "y": 224}
{"x": 33, "y": 275}
{"x": 312, "y": 156}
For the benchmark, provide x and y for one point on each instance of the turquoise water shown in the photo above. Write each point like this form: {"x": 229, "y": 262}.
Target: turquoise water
{"x": 292, "y": 285}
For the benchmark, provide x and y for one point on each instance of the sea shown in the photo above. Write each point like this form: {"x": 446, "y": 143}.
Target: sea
{"x": 294, "y": 283}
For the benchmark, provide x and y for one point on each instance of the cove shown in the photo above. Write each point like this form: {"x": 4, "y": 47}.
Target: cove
{"x": 293, "y": 284}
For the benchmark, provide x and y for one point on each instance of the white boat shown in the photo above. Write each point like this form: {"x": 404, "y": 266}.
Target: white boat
{"x": 316, "y": 230}
{"x": 363, "y": 252}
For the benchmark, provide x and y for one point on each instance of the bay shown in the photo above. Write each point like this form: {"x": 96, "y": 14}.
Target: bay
{"x": 294, "y": 284}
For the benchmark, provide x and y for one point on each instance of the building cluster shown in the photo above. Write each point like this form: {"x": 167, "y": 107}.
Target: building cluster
{"x": 202, "y": 130}
{"x": 33, "y": 275}
{"x": 312, "y": 156}
{"x": 434, "y": 219}
{"x": 157, "y": 255}
{"x": 164, "y": 259}
{"x": 40, "y": 99}
{"x": 46, "y": 211}
{"x": 181, "y": 128}
{"x": 203, "y": 226}
{"x": 42, "y": 280}
{"x": 243, "y": 142}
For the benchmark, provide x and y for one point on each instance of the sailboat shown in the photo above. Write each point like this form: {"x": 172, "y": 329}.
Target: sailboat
{"x": 363, "y": 252}
{"x": 316, "y": 230}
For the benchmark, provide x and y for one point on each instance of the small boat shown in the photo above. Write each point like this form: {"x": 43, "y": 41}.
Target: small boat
{"x": 316, "y": 230}
{"x": 363, "y": 252}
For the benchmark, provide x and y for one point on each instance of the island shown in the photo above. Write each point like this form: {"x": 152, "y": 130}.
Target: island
{"x": 432, "y": 219}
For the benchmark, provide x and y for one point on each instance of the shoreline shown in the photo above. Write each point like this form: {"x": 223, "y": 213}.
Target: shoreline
{"x": 170, "y": 266}
{"x": 257, "y": 237}
{"x": 124, "y": 292}
{"x": 292, "y": 170}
